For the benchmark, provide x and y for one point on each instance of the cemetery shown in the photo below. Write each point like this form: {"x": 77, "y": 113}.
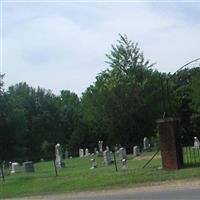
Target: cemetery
{"x": 132, "y": 126}
{"x": 91, "y": 171}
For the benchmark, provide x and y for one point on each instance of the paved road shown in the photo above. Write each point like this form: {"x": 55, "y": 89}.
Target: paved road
{"x": 178, "y": 194}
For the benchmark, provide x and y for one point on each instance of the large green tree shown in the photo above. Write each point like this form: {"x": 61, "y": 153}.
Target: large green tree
{"x": 120, "y": 106}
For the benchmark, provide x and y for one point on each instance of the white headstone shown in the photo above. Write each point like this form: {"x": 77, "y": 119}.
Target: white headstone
{"x": 107, "y": 156}
{"x": 146, "y": 144}
{"x": 93, "y": 163}
{"x": 124, "y": 163}
{"x": 96, "y": 152}
{"x": 58, "y": 152}
{"x": 100, "y": 145}
{"x": 13, "y": 167}
{"x": 87, "y": 153}
{"x": 122, "y": 153}
{"x": 196, "y": 143}
{"x": 136, "y": 151}
{"x": 81, "y": 153}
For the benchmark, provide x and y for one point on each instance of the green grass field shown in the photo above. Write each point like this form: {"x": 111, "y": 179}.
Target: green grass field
{"x": 77, "y": 176}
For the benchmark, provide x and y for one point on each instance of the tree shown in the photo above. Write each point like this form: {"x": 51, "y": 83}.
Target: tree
{"x": 120, "y": 106}
{"x": 1, "y": 83}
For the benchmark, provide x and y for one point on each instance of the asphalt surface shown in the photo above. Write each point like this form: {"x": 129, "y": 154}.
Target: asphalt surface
{"x": 182, "y": 194}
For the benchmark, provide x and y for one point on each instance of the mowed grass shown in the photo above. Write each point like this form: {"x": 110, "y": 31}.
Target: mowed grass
{"x": 77, "y": 176}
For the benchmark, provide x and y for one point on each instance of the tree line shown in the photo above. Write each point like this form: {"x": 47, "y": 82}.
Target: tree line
{"x": 121, "y": 107}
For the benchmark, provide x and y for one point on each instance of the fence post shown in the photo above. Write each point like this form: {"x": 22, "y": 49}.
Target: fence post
{"x": 115, "y": 160}
{"x": 55, "y": 167}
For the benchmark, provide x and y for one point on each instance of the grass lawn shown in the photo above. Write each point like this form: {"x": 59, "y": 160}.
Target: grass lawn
{"x": 78, "y": 177}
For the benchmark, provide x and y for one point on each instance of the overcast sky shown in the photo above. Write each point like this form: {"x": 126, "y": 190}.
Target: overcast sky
{"x": 63, "y": 45}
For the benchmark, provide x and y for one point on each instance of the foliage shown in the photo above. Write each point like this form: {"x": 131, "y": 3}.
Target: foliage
{"x": 121, "y": 107}
{"x": 114, "y": 106}
{"x": 34, "y": 118}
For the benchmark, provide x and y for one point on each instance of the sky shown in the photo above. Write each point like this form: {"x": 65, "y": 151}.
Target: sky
{"x": 62, "y": 45}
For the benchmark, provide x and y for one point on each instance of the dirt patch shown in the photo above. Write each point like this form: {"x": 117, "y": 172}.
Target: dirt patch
{"x": 146, "y": 157}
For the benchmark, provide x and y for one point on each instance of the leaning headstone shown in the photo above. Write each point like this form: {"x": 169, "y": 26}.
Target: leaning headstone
{"x": 29, "y": 167}
{"x": 122, "y": 153}
{"x": 58, "y": 152}
{"x": 196, "y": 143}
{"x": 136, "y": 151}
{"x": 81, "y": 153}
{"x": 146, "y": 144}
{"x": 93, "y": 163}
{"x": 87, "y": 153}
{"x": 13, "y": 167}
{"x": 100, "y": 145}
{"x": 107, "y": 157}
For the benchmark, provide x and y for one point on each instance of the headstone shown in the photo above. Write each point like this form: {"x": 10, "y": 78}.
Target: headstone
{"x": 96, "y": 152}
{"x": 81, "y": 153}
{"x": 116, "y": 148}
{"x": 87, "y": 153}
{"x": 29, "y": 167}
{"x": 107, "y": 156}
{"x": 13, "y": 167}
{"x": 58, "y": 152}
{"x": 107, "y": 148}
{"x": 146, "y": 144}
{"x": 93, "y": 163}
{"x": 122, "y": 153}
{"x": 196, "y": 143}
{"x": 136, "y": 151}
{"x": 100, "y": 145}
{"x": 124, "y": 163}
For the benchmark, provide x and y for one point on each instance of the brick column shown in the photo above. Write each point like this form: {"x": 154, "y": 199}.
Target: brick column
{"x": 170, "y": 143}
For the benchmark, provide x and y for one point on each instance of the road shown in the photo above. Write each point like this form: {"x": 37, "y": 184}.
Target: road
{"x": 186, "y": 194}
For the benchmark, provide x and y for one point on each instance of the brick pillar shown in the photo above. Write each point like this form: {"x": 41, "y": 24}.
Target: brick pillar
{"x": 170, "y": 143}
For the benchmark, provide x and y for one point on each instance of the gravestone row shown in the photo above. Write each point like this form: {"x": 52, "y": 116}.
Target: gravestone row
{"x": 107, "y": 155}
